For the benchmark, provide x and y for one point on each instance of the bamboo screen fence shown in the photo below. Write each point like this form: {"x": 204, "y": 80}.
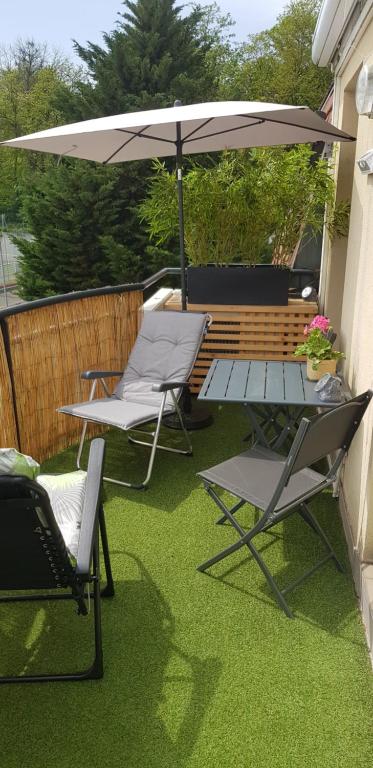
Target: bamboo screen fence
{"x": 8, "y": 429}
{"x": 49, "y": 347}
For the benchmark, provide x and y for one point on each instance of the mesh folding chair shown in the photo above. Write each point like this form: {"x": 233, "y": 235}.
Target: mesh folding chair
{"x": 157, "y": 371}
{"x": 279, "y": 486}
{"x": 50, "y": 541}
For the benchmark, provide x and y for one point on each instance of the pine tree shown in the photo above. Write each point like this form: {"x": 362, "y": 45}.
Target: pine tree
{"x": 84, "y": 218}
{"x": 70, "y": 213}
{"x": 153, "y": 57}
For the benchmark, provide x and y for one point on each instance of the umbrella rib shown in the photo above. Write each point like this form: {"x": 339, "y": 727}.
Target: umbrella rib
{"x": 259, "y": 120}
{"x": 206, "y": 122}
{"x": 133, "y": 135}
{"x": 141, "y": 135}
{"x": 119, "y": 148}
{"x": 303, "y": 127}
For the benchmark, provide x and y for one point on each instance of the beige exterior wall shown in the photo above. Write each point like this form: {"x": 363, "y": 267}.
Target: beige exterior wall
{"x": 347, "y": 291}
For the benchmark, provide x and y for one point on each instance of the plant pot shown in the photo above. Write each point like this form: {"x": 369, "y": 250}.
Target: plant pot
{"x": 263, "y": 284}
{"x": 324, "y": 366}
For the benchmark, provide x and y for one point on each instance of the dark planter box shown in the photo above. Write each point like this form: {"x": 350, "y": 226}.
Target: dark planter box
{"x": 263, "y": 284}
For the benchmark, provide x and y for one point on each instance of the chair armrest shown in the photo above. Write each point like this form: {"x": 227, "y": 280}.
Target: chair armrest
{"x": 91, "y": 508}
{"x": 165, "y": 386}
{"x": 90, "y": 375}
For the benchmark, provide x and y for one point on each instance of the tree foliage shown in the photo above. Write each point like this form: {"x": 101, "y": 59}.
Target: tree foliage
{"x": 32, "y": 86}
{"x": 276, "y": 65}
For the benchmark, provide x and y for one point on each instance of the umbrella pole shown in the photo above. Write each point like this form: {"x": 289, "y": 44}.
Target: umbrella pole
{"x": 179, "y": 176}
{"x": 194, "y": 416}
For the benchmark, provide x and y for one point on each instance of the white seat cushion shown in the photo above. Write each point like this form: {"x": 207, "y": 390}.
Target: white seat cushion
{"x": 66, "y": 494}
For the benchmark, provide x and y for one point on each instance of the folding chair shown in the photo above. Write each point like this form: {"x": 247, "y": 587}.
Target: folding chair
{"x": 280, "y": 486}
{"x": 50, "y": 541}
{"x": 157, "y": 371}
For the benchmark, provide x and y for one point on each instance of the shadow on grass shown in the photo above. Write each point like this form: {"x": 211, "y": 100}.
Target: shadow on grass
{"x": 326, "y": 599}
{"x": 174, "y": 476}
{"x": 148, "y": 709}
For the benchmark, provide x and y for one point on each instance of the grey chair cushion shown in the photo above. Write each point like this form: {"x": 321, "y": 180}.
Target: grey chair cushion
{"x": 254, "y": 476}
{"x": 66, "y": 495}
{"x": 117, "y": 413}
{"x": 165, "y": 350}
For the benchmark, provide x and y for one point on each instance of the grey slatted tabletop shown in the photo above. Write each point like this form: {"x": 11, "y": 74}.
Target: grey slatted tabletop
{"x": 261, "y": 381}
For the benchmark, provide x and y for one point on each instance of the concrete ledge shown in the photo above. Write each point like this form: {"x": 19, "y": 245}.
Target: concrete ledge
{"x": 158, "y": 300}
{"x": 362, "y": 575}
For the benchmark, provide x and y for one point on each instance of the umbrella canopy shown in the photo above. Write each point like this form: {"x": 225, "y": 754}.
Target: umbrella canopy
{"x": 190, "y": 129}
{"x": 203, "y": 128}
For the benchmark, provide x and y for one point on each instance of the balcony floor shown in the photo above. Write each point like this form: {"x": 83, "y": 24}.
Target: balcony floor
{"x": 200, "y": 671}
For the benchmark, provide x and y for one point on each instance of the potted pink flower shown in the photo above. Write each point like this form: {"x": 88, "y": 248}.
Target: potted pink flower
{"x": 321, "y": 357}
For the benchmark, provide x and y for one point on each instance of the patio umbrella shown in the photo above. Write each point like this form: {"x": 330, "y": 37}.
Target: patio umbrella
{"x": 179, "y": 130}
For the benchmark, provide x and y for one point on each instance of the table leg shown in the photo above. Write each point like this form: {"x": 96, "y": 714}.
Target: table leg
{"x": 256, "y": 426}
{"x": 260, "y": 423}
{"x": 292, "y": 415}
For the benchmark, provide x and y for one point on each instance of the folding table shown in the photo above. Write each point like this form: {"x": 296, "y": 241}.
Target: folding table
{"x": 274, "y": 394}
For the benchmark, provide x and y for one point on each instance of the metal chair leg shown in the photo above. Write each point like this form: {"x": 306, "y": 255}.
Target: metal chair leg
{"x": 310, "y": 519}
{"x": 143, "y": 485}
{"x": 81, "y": 444}
{"x": 245, "y": 541}
{"x": 95, "y": 671}
{"x": 108, "y": 590}
{"x": 84, "y": 428}
{"x": 154, "y": 446}
{"x": 271, "y": 581}
{"x": 189, "y": 449}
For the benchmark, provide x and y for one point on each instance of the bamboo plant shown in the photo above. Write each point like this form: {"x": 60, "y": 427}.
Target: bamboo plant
{"x": 248, "y": 207}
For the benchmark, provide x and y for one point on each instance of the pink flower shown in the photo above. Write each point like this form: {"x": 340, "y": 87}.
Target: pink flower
{"x": 320, "y": 322}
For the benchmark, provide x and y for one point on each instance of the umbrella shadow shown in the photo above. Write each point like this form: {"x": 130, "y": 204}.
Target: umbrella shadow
{"x": 174, "y": 477}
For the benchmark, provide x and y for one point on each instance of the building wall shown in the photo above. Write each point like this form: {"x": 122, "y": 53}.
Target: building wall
{"x": 347, "y": 290}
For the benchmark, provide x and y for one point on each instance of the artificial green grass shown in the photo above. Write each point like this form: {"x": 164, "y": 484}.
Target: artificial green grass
{"x": 200, "y": 670}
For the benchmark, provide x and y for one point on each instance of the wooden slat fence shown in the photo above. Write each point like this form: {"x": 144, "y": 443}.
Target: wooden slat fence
{"x": 49, "y": 347}
{"x": 248, "y": 332}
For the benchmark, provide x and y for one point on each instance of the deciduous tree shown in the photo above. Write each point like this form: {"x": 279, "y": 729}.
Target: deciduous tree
{"x": 276, "y": 65}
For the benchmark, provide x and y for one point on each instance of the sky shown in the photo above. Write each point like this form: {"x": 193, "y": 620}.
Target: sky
{"x": 57, "y": 23}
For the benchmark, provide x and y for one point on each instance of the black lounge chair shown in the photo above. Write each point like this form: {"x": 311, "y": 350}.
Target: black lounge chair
{"x": 280, "y": 486}
{"x": 51, "y": 542}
